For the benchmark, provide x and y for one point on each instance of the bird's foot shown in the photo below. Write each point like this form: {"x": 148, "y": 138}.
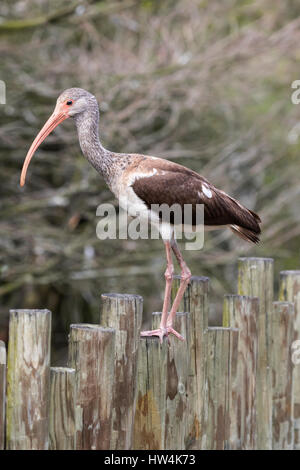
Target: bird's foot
{"x": 161, "y": 332}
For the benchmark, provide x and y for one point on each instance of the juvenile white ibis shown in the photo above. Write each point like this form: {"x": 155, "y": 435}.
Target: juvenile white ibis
{"x": 140, "y": 181}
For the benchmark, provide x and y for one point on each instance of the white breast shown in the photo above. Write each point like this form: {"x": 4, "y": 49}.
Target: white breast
{"x": 136, "y": 207}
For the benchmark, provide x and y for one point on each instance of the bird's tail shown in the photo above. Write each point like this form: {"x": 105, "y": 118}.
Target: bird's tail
{"x": 246, "y": 224}
{"x": 246, "y": 234}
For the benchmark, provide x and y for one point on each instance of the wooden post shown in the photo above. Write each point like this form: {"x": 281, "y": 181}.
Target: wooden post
{"x": 234, "y": 420}
{"x": 195, "y": 302}
{"x": 290, "y": 291}
{"x": 2, "y": 393}
{"x": 92, "y": 355}
{"x": 282, "y": 333}
{"x": 242, "y": 313}
{"x": 149, "y": 423}
{"x": 217, "y": 419}
{"x": 177, "y": 383}
{"x": 27, "y": 422}
{"x": 62, "y": 409}
{"x": 124, "y": 313}
{"x": 256, "y": 280}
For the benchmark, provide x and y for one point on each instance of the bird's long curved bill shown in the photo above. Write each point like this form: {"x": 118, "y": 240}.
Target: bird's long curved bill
{"x": 55, "y": 119}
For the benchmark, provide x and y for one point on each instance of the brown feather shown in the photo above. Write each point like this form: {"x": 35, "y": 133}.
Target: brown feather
{"x": 245, "y": 234}
{"x": 175, "y": 184}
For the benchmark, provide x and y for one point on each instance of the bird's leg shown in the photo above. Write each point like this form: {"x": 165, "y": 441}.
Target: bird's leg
{"x": 184, "y": 281}
{"x": 163, "y": 330}
{"x": 169, "y": 279}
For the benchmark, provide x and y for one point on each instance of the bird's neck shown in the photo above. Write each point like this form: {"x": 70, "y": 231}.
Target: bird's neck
{"x": 88, "y": 133}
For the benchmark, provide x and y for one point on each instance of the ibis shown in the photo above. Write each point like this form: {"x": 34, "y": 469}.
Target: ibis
{"x": 142, "y": 183}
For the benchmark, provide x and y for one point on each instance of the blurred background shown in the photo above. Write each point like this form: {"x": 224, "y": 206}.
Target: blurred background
{"x": 203, "y": 83}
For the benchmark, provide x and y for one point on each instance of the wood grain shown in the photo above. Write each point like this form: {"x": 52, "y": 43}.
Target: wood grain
{"x": 28, "y": 374}
{"x": 2, "y": 393}
{"x": 242, "y": 313}
{"x": 124, "y": 313}
{"x": 289, "y": 290}
{"x": 62, "y": 409}
{"x": 217, "y": 391}
{"x": 150, "y": 416}
{"x": 92, "y": 355}
{"x": 177, "y": 383}
{"x": 255, "y": 279}
{"x": 282, "y": 333}
{"x": 195, "y": 301}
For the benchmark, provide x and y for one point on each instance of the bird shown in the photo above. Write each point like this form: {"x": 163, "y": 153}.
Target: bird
{"x": 141, "y": 182}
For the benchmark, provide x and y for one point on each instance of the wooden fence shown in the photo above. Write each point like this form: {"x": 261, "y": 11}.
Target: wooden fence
{"x": 236, "y": 386}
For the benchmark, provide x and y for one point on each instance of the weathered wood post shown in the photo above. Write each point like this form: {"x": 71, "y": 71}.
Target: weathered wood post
{"x": 149, "y": 423}
{"x": 2, "y": 393}
{"x": 124, "y": 313}
{"x": 217, "y": 392}
{"x": 255, "y": 279}
{"x": 62, "y": 409}
{"x": 290, "y": 291}
{"x": 195, "y": 302}
{"x": 177, "y": 383}
{"x": 282, "y": 333}
{"x": 92, "y": 355}
{"x": 242, "y": 313}
{"x": 28, "y": 371}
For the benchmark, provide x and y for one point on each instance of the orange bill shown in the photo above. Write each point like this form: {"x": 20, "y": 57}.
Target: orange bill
{"x": 55, "y": 119}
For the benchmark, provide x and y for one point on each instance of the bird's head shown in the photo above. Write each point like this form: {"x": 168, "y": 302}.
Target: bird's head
{"x": 72, "y": 102}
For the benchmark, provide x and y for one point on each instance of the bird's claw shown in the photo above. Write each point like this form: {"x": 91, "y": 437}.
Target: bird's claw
{"x": 161, "y": 332}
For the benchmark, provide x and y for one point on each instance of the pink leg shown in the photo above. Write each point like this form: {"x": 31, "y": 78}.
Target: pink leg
{"x": 163, "y": 329}
{"x": 184, "y": 281}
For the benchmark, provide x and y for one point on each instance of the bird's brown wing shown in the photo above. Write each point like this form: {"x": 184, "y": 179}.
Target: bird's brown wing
{"x": 179, "y": 185}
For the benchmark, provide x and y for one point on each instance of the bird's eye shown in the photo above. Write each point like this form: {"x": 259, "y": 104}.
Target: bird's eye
{"x": 69, "y": 102}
